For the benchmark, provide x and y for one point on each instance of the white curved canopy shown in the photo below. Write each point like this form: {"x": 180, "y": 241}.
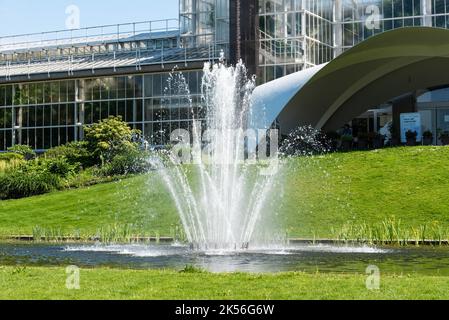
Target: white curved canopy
{"x": 380, "y": 68}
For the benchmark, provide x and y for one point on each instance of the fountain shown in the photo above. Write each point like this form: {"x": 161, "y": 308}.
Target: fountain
{"x": 222, "y": 208}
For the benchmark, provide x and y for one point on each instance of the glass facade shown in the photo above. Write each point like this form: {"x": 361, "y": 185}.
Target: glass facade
{"x": 205, "y": 23}
{"x": 293, "y": 35}
{"x": 296, "y": 34}
{"x": 48, "y": 114}
{"x": 362, "y": 19}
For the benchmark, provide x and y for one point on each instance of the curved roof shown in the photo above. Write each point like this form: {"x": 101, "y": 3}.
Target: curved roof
{"x": 382, "y": 67}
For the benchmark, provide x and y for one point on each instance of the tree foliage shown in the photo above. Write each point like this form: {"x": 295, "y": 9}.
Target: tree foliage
{"x": 110, "y": 137}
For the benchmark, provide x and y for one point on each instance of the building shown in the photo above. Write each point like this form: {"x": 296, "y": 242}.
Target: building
{"x": 53, "y": 83}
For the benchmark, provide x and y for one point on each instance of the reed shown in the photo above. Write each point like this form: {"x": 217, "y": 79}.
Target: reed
{"x": 392, "y": 232}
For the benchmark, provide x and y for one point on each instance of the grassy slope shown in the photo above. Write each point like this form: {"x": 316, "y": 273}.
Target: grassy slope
{"x": 411, "y": 184}
{"x": 49, "y": 283}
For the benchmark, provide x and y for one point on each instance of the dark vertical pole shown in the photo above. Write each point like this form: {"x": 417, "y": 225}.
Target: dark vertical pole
{"x": 243, "y": 33}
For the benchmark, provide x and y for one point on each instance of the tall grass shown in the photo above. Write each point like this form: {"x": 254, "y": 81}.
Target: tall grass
{"x": 10, "y": 165}
{"x": 391, "y": 231}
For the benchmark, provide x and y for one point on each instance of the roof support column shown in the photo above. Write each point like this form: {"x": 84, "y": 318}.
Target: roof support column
{"x": 80, "y": 94}
{"x": 305, "y": 46}
{"x": 426, "y": 9}
{"x": 338, "y": 28}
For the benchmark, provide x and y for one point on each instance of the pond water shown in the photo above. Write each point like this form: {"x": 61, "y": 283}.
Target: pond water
{"x": 307, "y": 258}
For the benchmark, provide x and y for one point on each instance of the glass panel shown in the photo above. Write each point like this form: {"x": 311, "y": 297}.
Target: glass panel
{"x": 148, "y": 110}
{"x": 63, "y": 114}
{"x": 39, "y": 138}
{"x": 71, "y": 91}
{"x": 88, "y": 113}
{"x": 47, "y": 92}
{"x": 71, "y": 114}
{"x": 40, "y": 93}
{"x": 55, "y": 137}
{"x": 70, "y": 134}
{"x": 138, "y": 86}
{"x": 96, "y": 112}
{"x": 32, "y": 116}
{"x": 8, "y": 139}
{"x": 129, "y": 111}
{"x": 157, "y": 85}
{"x": 2, "y": 96}
{"x": 2, "y": 139}
{"x": 138, "y": 110}
{"x": 129, "y": 87}
{"x": 55, "y": 92}
{"x": 104, "y": 110}
{"x": 148, "y": 86}
{"x": 32, "y": 138}
{"x": 47, "y": 138}
{"x": 63, "y": 135}
{"x": 63, "y": 91}
{"x": 39, "y": 116}
{"x": 121, "y": 87}
{"x": 122, "y": 109}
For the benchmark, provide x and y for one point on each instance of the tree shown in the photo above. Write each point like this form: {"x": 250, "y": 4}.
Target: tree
{"x": 110, "y": 137}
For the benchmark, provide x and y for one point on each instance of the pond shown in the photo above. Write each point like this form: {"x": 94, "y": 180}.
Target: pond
{"x": 307, "y": 258}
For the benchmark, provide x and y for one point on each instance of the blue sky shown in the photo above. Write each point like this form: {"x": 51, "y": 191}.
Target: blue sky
{"x": 29, "y": 16}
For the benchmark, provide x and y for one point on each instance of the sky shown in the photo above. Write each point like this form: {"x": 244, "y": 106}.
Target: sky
{"x": 31, "y": 16}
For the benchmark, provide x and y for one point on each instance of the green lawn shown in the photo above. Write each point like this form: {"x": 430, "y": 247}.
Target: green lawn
{"x": 50, "y": 283}
{"x": 320, "y": 193}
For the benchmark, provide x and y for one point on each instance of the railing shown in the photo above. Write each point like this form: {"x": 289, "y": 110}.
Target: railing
{"x": 85, "y": 36}
{"x": 271, "y": 46}
{"x": 113, "y": 60}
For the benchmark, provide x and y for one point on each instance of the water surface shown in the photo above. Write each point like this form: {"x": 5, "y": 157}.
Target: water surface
{"x": 307, "y": 258}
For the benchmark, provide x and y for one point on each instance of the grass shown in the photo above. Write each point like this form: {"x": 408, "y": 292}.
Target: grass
{"x": 321, "y": 197}
{"x": 103, "y": 283}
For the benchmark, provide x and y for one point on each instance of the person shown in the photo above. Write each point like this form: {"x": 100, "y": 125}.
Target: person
{"x": 346, "y": 138}
{"x": 347, "y": 131}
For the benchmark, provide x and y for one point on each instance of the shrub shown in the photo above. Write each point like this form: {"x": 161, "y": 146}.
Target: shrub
{"x": 305, "y": 140}
{"x": 61, "y": 167}
{"x": 20, "y": 184}
{"x": 109, "y": 138}
{"x": 427, "y": 134}
{"x": 35, "y": 177}
{"x": 10, "y": 157}
{"x": 132, "y": 162}
{"x": 23, "y": 150}
{"x": 410, "y": 135}
{"x": 74, "y": 152}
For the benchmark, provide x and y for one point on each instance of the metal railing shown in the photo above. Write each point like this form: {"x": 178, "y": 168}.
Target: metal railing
{"x": 84, "y": 37}
{"x": 113, "y": 60}
{"x": 271, "y": 48}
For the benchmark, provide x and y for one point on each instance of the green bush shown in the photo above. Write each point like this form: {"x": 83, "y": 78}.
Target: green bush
{"x": 109, "y": 138}
{"x": 132, "y": 162}
{"x": 61, "y": 167}
{"x": 10, "y": 156}
{"x": 20, "y": 184}
{"x": 35, "y": 177}
{"x": 74, "y": 152}
{"x": 23, "y": 150}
